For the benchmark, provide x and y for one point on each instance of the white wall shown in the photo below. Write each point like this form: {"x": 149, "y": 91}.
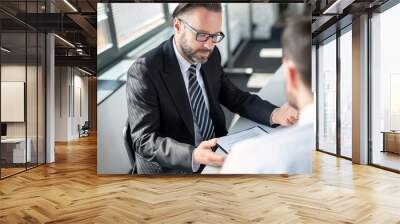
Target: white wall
{"x": 12, "y": 73}
{"x": 79, "y": 117}
{"x": 61, "y": 103}
{"x": 264, "y": 16}
{"x": 67, "y": 115}
{"x": 12, "y": 100}
{"x": 112, "y": 114}
{"x": 239, "y": 23}
{"x": 33, "y": 125}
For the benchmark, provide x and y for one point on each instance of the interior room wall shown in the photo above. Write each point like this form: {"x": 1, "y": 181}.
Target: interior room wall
{"x": 31, "y": 127}
{"x": 80, "y": 109}
{"x": 92, "y": 100}
{"x": 70, "y": 83}
{"x": 62, "y": 80}
{"x": 17, "y": 72}
{"x": 112, "y": 157}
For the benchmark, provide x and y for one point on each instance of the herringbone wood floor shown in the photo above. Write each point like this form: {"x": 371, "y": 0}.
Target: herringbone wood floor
{"x": 70, "y": 191}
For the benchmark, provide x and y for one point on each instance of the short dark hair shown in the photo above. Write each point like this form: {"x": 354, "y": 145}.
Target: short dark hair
{"x": 296, "y": 41}
{"x": 185, "y": 7}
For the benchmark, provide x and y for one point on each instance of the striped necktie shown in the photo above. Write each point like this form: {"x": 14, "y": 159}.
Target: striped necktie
{"x": 199, "y": 109}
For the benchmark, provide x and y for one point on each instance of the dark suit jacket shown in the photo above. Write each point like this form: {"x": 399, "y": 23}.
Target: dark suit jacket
{"x": 159, "y": 112}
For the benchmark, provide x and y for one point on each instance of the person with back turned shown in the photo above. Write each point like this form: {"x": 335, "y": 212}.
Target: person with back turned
{"x": 287, "y": 151}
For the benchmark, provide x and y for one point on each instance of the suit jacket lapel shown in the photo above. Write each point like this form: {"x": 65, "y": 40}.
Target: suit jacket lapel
{"x": 173, "y": 79}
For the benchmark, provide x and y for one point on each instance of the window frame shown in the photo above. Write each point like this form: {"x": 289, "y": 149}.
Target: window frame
{"x": 326, "y": 40}
{"x": 341, "y": 32}
{"x": 110, "y": 55}
{"x": 378, "y": 10}
{"x": 341, "y": 27}
{"x": 31, "y": 30}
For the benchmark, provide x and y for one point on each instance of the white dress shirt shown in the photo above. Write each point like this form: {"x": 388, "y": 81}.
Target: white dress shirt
{"x": 184, "y": 65}
{"x": 288, "y": 151}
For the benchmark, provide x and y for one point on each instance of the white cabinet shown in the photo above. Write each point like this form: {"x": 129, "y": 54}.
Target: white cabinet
{"x": 16, "y": 147}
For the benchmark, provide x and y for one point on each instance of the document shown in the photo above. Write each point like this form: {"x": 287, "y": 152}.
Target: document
{"x": 225, "y": 143}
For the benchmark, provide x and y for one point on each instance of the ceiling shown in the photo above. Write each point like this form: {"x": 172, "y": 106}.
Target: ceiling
{"x": 332, "y": 15}
{"x": 74, "y": 22}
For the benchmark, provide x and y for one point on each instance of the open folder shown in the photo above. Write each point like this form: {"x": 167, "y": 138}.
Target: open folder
{"x": 225, "y": 143}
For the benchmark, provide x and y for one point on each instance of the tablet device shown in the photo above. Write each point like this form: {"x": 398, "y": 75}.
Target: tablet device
{"x": 225, "y": 143}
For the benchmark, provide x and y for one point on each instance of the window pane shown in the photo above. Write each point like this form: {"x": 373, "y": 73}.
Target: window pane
{"x": 171, "y": 7}
{"x": 103, "y": 31}
{"x": 385, "y": 86}
{"x": 31, "y": 100}
{"x": 327, "y": 96}
{"x": 394, "y": 101}
{"x": 134, "y": 20}
{"x": 14, "y": 153}
{"x": 346, "y": 94}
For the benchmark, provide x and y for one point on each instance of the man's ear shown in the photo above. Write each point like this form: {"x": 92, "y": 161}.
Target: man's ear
{"x": 177, "y": 25}
{"x": 291, "y": 75}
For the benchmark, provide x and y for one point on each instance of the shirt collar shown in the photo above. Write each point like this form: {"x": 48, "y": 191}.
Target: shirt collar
{"x": 183, "y": 63}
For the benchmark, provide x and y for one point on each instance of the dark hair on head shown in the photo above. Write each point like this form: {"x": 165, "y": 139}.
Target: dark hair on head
{"x": 185, "y": 7}
{"x": 296, "y": 41}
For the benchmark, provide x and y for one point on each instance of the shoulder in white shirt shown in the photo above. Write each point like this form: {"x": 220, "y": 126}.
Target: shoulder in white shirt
{"x": 288, "y": 151}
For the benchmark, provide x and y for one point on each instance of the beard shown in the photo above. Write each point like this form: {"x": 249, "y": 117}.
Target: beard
{"x": 194, "y": 55}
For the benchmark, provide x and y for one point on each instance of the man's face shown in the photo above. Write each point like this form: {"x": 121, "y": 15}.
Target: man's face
{"x": 202, "y": 20}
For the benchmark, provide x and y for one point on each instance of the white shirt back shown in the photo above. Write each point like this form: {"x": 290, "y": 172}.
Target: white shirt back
{"x": 288, "y": 151}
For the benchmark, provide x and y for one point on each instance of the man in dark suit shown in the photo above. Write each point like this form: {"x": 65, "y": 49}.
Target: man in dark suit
{"x": 174, "y": 94}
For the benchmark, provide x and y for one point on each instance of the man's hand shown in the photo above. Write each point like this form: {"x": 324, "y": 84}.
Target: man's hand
{"x": 203, "y": 154}
{"x": 285, "y": 115}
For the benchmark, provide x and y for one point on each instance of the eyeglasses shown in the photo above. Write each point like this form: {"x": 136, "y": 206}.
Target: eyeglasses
{"x": 203, "y": 37}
